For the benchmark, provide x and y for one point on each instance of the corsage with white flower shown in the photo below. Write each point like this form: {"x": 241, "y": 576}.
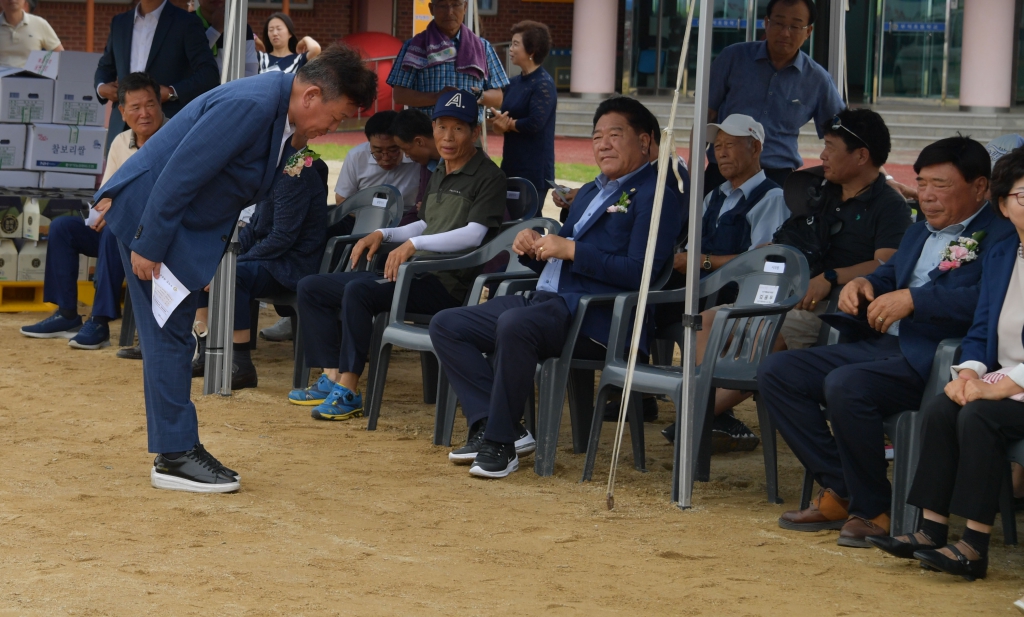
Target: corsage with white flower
{"x": 622, "y": 205}
{"x": 961, "y": 251}
{"x": 303, "y": 158}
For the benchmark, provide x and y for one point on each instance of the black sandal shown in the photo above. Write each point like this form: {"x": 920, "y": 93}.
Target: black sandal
{"x": 970, "y": 569}
{"x": 898, "y": 548}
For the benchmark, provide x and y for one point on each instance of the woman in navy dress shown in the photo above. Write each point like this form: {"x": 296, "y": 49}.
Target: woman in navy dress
{"x": 287, "y": 53}
{"x": 527, "y": 116}
{"x": 966, "y": 431}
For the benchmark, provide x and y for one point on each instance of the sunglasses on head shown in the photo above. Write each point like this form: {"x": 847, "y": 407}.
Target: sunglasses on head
{"x": 837, "y": 124}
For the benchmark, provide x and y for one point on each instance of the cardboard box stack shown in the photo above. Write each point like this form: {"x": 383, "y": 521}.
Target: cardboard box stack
{"x": 51, "y": 137}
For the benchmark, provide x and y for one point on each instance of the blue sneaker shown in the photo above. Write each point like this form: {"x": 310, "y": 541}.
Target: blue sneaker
{"x": 313, "y": 395}
{"x": 93, "y": 335}
{"x": 54, "y": 326}
{"x": 340, "y": 404}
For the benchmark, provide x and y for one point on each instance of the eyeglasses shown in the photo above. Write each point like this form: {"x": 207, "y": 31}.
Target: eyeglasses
{"x": 450, "y": 8}
{"x": 1019, "y": 196}
{"x": 785, "y": 27}
{"x": 390, "y": 153}
{"x": 838, "y": 124}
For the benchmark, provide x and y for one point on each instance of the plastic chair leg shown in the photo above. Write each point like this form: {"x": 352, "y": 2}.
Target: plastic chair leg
{"x": 581, "y": 406}
{"x": 907, "y": 451}
{"x": 429, "y": 368}
{"x": 702, "y": 441}
{"x": 554, "y": 375}
{"x": 805, "y": 492}
{"x": 444, "y": 416}
{"x": 300, "y": 372}
{"x": 380, "y": 323}
{"x": 127, "y": 338}
{"x": 376, "y": 395}
{"x": 596, "y": 424}
{"x": 1006, "y": 510}
{"x": 635, "y": 416}
{"x": 770, "y": 451}
{"x": 254, "y": 325}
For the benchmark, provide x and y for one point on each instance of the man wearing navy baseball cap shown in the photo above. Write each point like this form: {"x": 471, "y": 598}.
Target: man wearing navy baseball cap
{"x": 463, "y": 207}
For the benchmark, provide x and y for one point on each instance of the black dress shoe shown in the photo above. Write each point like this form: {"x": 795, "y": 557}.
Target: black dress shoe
{"x": 195, "y": 471}
{"x": 970, "y": 569}
{"x": 130, "y": 353}
{"x": 243, "y": 375}
{"x": 199, "y": 363}
{"x": 729, "y": 434}
{"x": 898, "y": 548}
{"x": 650, "y": 403}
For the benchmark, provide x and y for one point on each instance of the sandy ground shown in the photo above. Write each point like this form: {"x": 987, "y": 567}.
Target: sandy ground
{"x": 335, "y": 520}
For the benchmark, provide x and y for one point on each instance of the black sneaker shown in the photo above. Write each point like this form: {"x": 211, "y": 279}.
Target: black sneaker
{"x": 130, "y": 353}
{"x": 669, "y": 432}
{"x": 495, "y": 460}
{"x": 611, "y": 409}
{"x": 468, "y": 452}
{"x": 199, "y": 357}
{"x": 196, "y": 471}
{"x": 728, "y": 434}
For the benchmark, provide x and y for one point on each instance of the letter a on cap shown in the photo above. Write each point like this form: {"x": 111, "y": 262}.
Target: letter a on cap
{"x": 455, "y": 100}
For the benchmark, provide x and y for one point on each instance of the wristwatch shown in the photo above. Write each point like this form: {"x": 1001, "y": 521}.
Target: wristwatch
{"x": 831, "y": 277}
{"x": 173, "y": 96}
{"x": 707, "y": 262}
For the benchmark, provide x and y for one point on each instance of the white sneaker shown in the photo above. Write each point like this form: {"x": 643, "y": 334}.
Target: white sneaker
{"x": 281, "y": 331}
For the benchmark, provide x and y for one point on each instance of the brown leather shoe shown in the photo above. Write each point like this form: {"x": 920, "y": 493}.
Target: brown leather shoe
{"x": 827, "y": 511}
{"x": 857, "y": 529}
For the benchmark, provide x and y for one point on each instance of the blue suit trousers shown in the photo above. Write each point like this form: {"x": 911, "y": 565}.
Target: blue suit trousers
{"x": 69, "y": 238}
{"x": 516, "y": 333}
{"x": 166, "y": 366}
{"x": 860, "y": 384}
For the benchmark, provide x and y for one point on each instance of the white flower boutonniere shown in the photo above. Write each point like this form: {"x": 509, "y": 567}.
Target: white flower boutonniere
{"x": 303, "y": 158}
{"x": 620, "y": 206}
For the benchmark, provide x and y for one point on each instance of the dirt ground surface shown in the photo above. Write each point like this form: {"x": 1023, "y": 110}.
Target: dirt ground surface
{"x": 335, "y": 520}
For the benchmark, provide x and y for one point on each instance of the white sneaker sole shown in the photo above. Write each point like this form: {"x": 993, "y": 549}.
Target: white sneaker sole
{"x": 64, "y": 334}
{"x": 513, "y": 465}
{"x": 1020, "y": 605}
{"x": 461, "y": 459}
{"x": 72, "y": 343}
{"x": 174, "y": 483}
{"x": 526, "y": 444}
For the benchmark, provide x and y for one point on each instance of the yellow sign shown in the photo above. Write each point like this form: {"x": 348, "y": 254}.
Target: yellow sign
{"x": 420, "y": 16}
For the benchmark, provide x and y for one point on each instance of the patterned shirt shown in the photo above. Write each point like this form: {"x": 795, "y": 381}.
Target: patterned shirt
{"x": 438, "y": 77}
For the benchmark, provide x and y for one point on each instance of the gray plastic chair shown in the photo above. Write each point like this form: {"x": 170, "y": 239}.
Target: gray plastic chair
{"x": 398, "y": 327}
{"x": 522, "y": 202}
{"x": 742, "y": 335}
{"x": 369, "y": 218}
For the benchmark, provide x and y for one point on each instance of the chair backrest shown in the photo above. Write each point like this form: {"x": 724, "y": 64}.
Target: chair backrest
{"x": 522, "y": 201}
{"x": 771, "y": 275}
{"x": 374, "y": 207}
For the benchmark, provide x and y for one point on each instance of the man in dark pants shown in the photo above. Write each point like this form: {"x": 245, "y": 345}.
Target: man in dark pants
{"x": 599, "y": 250}
{"x": 776, "y": 84}
{"x": 175, "y": 205}
{"x": 164, "y": 41}
{"x": 464, "y": 207}
{"x": 911, "y": 304}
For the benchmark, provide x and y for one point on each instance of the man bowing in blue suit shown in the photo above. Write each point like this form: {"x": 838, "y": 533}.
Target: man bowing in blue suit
{"x": 600, "y": 249}
{"x": 175, "y": 205}
{"x": 927, "y": 292}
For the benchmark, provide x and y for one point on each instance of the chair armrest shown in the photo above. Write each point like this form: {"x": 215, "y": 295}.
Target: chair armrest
{"x": 332, "y": 246}
{"x": 485, "y": 279}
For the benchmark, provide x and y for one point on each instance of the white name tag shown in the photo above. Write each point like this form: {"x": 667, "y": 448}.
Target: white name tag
{"x": 766, "y": 294}
{"x": 774, "y": 267}
{"x": 380, "y": 202}
{"x": 512, "y": 195}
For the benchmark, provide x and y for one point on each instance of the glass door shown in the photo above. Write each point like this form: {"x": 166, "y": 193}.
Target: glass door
{"x": 912, "y": 59}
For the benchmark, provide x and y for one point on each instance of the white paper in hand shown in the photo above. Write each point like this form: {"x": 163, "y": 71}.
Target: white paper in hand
{"x": 168, "y": 292}
{"x": 94, "y": 217}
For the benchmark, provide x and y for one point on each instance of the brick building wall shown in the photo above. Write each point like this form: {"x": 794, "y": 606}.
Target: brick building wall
{"x": 328, "y": 21}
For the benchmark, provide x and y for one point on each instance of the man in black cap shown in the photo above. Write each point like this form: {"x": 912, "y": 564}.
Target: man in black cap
{"x": 463, "y": 208}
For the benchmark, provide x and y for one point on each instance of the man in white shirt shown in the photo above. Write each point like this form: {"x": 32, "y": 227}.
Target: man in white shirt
{"x": 164, "y": 41}
{"x": 22, "y": 33}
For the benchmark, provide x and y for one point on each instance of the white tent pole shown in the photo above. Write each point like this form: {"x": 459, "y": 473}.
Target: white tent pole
{"x": 666, "y": 161}
{"x": 219, "y": 356}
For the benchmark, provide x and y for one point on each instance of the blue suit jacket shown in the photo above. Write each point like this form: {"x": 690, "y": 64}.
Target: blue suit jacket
{"x": 982, "y": 341}
{"x": 180, "y": 58}
{"x": 944, "y": 307}
{"x": 177, "y": 200}
{"x": 288, "y": 230}
{"x": 610, "y": 247}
